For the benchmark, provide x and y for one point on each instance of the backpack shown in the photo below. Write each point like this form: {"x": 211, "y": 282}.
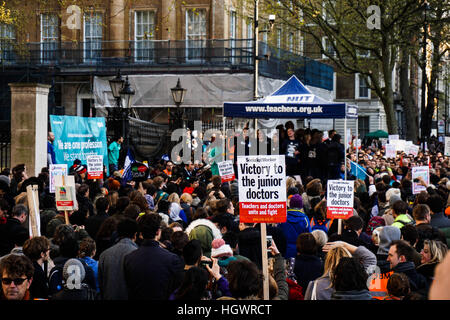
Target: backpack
{"x": 56, "y": 280}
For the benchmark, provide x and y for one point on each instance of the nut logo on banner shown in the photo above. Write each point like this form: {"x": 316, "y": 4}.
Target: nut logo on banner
{"x": 340, "y": 199}
{"x": 262, "y": 189}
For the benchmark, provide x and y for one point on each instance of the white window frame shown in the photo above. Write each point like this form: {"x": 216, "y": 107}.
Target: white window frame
{"x": 301, "y": 46}
{"x": 47, "y": 54}
{"x": 291, "y": 42}
{"x": 139, "y": 38}
{"x": 324, "y": 45}
{"x": 357, "y": 88}
{"x": 201, "y": 35}
{"x": 7, "y": 37}
{"x": 324, "y": 13}
{"x": 249, "y": 24}
{"x": 232, "y": 34}
{"x": 100, "y": 39}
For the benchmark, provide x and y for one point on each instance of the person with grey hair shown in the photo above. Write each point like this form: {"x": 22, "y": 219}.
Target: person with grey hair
{"x": 321, "y": 239}
{"x": 13, "y": 226}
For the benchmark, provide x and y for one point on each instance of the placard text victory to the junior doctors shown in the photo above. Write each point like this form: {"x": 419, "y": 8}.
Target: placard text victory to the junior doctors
{"x": 262, "y": 191}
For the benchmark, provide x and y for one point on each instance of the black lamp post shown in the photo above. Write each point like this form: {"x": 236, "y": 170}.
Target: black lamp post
{"x": 178, "y": 93}
{"x": 424, "y": 74}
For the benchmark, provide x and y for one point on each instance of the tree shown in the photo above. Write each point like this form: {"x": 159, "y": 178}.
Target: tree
{"x": 359, "y": 41}
{"x": 438, "y": 33}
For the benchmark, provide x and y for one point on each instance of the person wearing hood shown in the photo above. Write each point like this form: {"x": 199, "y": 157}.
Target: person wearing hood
{"x": 205, "y": 231}
{"x": 386, "y": 236}
{"x": 297, "y": 223}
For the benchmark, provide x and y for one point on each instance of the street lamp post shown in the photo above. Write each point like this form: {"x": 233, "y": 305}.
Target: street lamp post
{"x": 126, "y": 97}
{"x": 178, "y": 93}
{"x": 116, "y": 85}
{"x": 424, "y": 75}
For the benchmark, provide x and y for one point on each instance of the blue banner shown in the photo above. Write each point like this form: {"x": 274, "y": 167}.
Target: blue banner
{"x": 78, "y": 137}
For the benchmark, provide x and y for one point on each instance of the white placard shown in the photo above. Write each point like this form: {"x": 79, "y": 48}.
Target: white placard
{"x": 413, "y": 150}
{"x": 340, "y": 197}
{"x": 226, "y": 170}
{"x": 390, "y": 151}
{"x": 400, "y": 145}
{"x": 262, "y": 189}
{"x": 56, "y": 170}
{"x": 417, "y": 172}
{"x": 70, "y": 182}
{"x": 447, "y": 146}
{"x": 393, "y": 137}
{"x": 95, "y": 166}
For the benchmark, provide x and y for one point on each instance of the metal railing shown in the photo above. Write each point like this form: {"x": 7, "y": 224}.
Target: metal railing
{"x": 231, "y": 54}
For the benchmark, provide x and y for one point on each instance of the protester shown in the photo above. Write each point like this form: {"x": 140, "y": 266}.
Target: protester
{"x": 37, "y": 249}
{"x": 17, "y": 276}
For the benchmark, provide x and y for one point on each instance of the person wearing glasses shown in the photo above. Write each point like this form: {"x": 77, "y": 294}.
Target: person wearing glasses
{"x": 38, "y": 250}
{"x": 17, "y": 276}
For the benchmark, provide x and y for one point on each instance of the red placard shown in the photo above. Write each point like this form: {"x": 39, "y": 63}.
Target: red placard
{"x": 339, "y": 212}
{"x": 229, "y": 177}
{"x": 95, "y": 175}
{"x": 262, "y": 212}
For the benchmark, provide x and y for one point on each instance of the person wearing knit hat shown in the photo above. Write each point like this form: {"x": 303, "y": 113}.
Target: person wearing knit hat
{"x": 297, "y": 222}
{"x": 374, "y": 223}
{"x": 222, "y": 251}
{"x": 387, "y": 216}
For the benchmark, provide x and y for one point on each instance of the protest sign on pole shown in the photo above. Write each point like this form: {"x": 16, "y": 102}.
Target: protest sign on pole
{"x": 34, "y": 221}
{"x": 226, "y": 171}
{"x": 447, "y": 146}
{"x": 65, "y": 195}
{"x": 94, "y": 166}
{"x": 390, "y": 151}
{"x": 340, "y": 196}
{"x": 56, "y": 170}
{"x": 262, "y": 189}
{"x": 424, "y": 173}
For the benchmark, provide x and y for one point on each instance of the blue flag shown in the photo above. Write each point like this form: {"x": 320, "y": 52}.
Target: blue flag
{"x": 357, "y": 171}
{"x": 129, "y": 160}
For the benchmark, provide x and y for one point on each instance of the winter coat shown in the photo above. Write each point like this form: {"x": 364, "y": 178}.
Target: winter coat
{"x": 296, "y": 224}
{"x": 307, "y": 268}
{"x": 439, "y": 220}
{"x": 110, "y": 270}
{"x": 351, "y": 295}
{"x": 249, "y": 244}
{"x": 416, "y": 280}
{"x": 149, "y": 270}
{"x": 7, "y": 232}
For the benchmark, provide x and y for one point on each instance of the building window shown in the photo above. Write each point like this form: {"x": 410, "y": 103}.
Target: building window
{"x": 49, "y": 37}
{"x": 195, "y": 33}
{"x": 249, "y": 51}
{"x": 233, "y": 35}
{"x": 291, "y": 42}
{"x": 327, "y": 45}
{"x": 363, "y": 126}
{"x": 144, "y": 34}
{"x": 300, "y": 45}
{"x": 7, "y": 37}
{"x": 93, "y": 35}
{"x": 362, "y": 89}
{"x": 279, "y": 33}
{"x": 328, "y": 7}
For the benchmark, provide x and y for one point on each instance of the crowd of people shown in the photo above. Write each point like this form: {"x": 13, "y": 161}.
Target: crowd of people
{"x": 177, "y": 235}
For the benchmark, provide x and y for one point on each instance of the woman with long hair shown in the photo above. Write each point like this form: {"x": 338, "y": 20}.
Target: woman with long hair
{"x": 321, "y": 288}
{"x": 433, "y": 253}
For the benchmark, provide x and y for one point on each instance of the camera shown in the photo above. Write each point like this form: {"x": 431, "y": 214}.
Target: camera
{"x": 416, "y": 180}
{"x": 269, "y": 242}
{"x": 204, "y": 263}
